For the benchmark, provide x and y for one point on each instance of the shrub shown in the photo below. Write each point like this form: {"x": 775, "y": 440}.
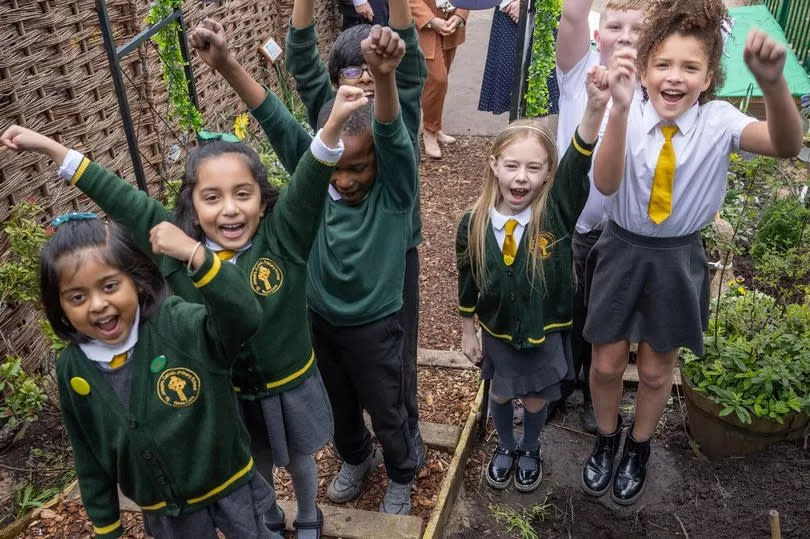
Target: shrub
{"x": 780, "y": 228}
{"x": 23, "y": 397}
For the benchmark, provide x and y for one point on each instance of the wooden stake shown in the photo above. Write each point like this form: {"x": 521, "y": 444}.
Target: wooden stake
{"x": 773, "y": 518}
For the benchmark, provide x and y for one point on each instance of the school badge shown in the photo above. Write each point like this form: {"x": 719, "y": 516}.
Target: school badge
{"x": 178, "y": 387}
{"x": 266, "y": 277}
{"x": 542, "y": 246}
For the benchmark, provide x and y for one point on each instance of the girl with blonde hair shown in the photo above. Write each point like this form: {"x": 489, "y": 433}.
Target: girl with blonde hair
{"x": 513, "y": 252}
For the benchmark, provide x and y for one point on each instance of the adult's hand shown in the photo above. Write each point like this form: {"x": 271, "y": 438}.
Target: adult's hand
{"x": 365, "y": 11}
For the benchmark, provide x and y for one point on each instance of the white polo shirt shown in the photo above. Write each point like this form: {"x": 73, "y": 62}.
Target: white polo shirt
{"x": 706, "y": 135}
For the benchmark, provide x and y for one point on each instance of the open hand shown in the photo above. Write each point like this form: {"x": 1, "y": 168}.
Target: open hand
{"x": 597, "y": 86}
{"x": 19, "y": 139}
{"x": 622, "y": 76}
{"x": 764, "y": 57}
{"x": 383, "y": 49}
{"x": 513, "y": 10}
{"x": 168, "y": 239}
{"x": 365, "y": 11}
{"x": 208, "y": 39}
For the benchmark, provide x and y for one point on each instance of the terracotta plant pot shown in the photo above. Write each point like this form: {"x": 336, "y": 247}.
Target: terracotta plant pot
{"x": 728, "y": 436}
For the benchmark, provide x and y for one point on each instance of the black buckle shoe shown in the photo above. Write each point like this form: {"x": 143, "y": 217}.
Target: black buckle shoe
{"x": 631, "y": 473}
{"x": 498, "y": 477}
{"x": 527, "y": 479}
{"x": 598, "y": 469}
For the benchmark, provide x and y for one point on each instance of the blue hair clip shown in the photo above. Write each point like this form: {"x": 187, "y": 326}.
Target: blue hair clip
{"x": 62, "y": 219}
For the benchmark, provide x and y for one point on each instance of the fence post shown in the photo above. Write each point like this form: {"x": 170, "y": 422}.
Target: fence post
{"x": 782, "y": 17}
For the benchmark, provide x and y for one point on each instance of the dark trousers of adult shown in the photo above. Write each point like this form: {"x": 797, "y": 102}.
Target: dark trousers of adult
{"x": 352, "y": 18}
{"x": 363, "y": 367}
{"x": 581, "y": 349}
{"x": 410, "y": 324}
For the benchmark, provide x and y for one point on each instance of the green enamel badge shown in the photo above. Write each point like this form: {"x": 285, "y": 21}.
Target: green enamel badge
{"x": 158, "y": 364}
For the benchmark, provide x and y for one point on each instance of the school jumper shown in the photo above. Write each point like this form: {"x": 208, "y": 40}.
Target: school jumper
{"x": 651, "y": 281}
{"x": 176, "y": 444}
{"x": 314, "y": 87}
{"x": 280, "y": 357}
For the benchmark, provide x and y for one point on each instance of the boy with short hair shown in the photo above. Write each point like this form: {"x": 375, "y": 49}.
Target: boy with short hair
{"x": 619, "y": 24}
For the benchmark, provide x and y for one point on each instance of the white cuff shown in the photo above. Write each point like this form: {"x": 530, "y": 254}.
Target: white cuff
{"x": 70, "y": 165}
{"x": 359, "y": 2}
{"x": 324, "y": 153}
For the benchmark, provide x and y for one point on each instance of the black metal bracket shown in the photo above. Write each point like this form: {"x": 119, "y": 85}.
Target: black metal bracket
{"x": 523, "y": 58}
{"x": 114, "y": 56}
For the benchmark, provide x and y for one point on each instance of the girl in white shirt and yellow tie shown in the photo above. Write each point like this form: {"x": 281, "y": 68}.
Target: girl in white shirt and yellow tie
{"x": 663, "y": 163}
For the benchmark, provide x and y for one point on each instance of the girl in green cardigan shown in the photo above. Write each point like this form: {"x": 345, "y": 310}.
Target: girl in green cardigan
{"x": 513, "y": 252}
{"x": 144, "y": 384}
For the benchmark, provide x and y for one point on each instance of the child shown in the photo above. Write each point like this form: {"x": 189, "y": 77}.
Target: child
{"x": 144, "y": 385}
{"x": 513, "y": 252}
{"x": 664, "y": 160}
{"x": 357, "y": 317}
{"x": 226, "y": 202}
{"x": 619, "y": 25}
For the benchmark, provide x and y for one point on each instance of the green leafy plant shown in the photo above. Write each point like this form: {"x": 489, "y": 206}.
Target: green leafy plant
{"x": 780, "y": 228}
{"x": 519, "y": 523}
{"x": 19, "y": 272}
{"x": 167, "y": 40}
{"x": 547, "y": 14}
{"x": 23, "y": 396}
{"x": 29, "y": 496}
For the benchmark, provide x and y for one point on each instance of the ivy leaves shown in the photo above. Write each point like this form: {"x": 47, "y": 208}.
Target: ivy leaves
{"x": 543, "y": 56}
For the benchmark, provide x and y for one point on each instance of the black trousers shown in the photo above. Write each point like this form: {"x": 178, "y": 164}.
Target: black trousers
{"x": 352, "y": 18}
{"x": 363, "y": 367}
{"x": 581, "y": 349}
{"x": 410, "y": 324}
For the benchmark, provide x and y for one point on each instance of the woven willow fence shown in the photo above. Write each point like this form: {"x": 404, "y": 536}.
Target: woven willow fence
{"x": 54, "y": 77}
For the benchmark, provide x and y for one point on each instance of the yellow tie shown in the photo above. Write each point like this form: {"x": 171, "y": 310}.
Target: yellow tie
{"x": 118, "y": 360}
{"x": 225, "y": 255}
{"x": 661, "y": 195}
{"x": 509, "y": 247}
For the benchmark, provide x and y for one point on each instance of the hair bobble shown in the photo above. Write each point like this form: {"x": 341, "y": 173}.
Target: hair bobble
{"x": 62, "y": 219}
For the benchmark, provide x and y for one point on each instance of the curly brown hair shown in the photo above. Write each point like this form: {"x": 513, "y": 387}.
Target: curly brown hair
{"x": 705, "y": 20}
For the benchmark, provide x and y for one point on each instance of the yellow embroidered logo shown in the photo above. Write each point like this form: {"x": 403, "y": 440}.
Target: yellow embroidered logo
{"x": 542, "y": 246}
{"x": 266, "y": 277}
{"x": 178, "y": 387}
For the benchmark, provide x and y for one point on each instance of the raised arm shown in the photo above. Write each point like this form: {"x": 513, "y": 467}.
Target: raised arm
{"x": 399, "y": 14}
{"x": 302, "y": 14}
{"x": 573, "y": 34}
{"x": 608, "y": 169}
{"x": 781, "y": 134}
{"x": 383, "y": 50}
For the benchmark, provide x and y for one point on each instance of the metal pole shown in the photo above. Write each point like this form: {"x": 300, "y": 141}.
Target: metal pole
{"x": 192, "y": 91}
{"x": 523, "y": 45}
{"x": 121, "y": 94}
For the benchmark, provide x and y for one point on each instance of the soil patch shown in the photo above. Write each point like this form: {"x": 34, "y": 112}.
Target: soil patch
{"x": 687, "y": 493}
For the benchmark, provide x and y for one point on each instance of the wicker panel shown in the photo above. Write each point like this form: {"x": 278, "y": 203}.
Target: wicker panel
{"x": 54, "y": 77}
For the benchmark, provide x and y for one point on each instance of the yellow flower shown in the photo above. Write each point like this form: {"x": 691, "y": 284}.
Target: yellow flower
{"x": 741, "y": 290}
{"x": 240, "y": 125}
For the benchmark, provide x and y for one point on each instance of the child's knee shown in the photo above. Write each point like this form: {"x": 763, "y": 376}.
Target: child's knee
{"x": 533, "y": 404}
{"x": 605, "y": 370}
{"x": 654, "y": 378}
{"x": 497, "y": 399}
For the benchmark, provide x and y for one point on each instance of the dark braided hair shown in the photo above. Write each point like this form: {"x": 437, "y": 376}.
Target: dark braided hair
{"x": 705, "y": 20}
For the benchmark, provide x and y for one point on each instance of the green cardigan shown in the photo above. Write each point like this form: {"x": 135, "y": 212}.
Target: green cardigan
{"x": 512, "y": 308}
{"x": 313, "y": 84}
{"x": 179, "y": 444}
{"x": 280, "y": 355}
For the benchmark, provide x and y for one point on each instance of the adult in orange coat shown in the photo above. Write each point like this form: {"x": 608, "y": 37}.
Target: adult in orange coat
{"x": 441, "y": 30}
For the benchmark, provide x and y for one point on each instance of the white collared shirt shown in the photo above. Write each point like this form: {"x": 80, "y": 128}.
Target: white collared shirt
{"x": 706, "y": 135}
{"x": 499, "y": 220}
{"x": 214, "y": 247}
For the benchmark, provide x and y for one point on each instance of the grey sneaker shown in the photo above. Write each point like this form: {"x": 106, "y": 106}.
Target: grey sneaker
{"x": 397, "y": 500}
{"x": 348, "y": 483}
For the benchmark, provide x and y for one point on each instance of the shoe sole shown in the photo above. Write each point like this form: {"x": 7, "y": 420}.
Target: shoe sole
{"x": 529, "y": 488}
{"x": 376, "y": 462}
{"x": 629, "y": 501}
{"x": 595, "y": 493}
{"x": 495, "y": 484}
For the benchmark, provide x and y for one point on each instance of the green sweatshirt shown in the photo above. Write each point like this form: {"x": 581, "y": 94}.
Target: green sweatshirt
{"x": 512, "y": 308}
{"x": 357, "y": 264}
{"x": 279, "y": 356}
{"x": 313, "y": 84}
{"x": 179, "y": 444}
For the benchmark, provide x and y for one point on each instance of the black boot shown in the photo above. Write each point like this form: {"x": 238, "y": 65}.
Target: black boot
{"x": 598, "y": 470}
{"x": 631, "y": 473}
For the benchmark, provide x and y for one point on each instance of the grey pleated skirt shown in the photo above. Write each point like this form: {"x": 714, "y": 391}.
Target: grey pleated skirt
{"x": 535, "y": 372}
{"x": 645, "y": 289}
{"x": 298, "y": 421}
{"x": 239, "y": 514}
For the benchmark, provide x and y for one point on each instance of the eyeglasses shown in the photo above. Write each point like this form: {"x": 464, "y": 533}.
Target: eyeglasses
{"x": 354, "y": 72}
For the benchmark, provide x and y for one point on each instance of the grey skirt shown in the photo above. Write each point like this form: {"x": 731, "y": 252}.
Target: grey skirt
{"x": 297, "y": 421}
{"x": 535, "y": 372}
{"x": 645, "y": 289}
{"x": 239, "y": 514}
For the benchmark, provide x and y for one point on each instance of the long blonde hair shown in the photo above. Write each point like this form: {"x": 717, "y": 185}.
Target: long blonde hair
{"x": 491, "y": 195}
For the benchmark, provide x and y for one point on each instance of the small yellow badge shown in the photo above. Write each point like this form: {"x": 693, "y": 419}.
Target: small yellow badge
{"x": 80, "y": 386}
{"x": 542, "y": 247}
{"x": 178, "y": 387}
{"x": 266, "y": 277}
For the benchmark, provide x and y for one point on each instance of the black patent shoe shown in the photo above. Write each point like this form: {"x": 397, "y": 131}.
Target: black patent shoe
{"x": 598, "y": 469}
{"x": 498, "y": 477}
{"x": 527, "y": 479}
{"x": 631, "y": 473}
